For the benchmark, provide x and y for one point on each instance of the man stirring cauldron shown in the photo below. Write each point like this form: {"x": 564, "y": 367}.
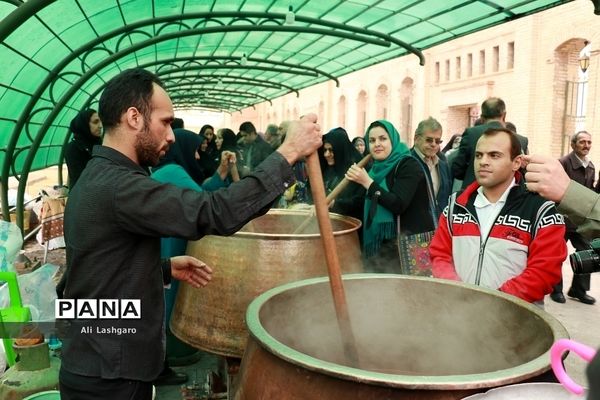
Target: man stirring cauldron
{"x": 114, "y": 220}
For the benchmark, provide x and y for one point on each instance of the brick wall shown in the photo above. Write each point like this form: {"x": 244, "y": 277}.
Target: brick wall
{"x": 535, "y": 57}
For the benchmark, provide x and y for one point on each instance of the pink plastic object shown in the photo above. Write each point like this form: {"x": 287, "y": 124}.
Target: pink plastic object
{"x": 556, "y": 352}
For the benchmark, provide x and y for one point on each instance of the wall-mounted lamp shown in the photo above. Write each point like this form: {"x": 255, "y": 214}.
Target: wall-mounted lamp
{"x": 290, "y": 17}
{"x": 584, "y": 63}
{"x": 584, "y": 58}
{"x": 244, "y": 60}
{"x": 219, "y": 82}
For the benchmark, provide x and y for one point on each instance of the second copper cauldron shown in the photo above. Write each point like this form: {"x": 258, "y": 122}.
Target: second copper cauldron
{"x": 264, "y": 254}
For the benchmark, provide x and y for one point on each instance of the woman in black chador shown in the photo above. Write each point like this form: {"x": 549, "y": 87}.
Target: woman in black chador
{"x": 337, "y": 155}
{"x": 87, "y": 130}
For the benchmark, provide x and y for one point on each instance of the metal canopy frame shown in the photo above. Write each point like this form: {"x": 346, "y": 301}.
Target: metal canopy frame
{"x": 63, "y": 52}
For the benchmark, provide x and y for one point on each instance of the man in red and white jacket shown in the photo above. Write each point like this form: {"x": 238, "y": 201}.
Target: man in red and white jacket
{"x": 496, "y": 233}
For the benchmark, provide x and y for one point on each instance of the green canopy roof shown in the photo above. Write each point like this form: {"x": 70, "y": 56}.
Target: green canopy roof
{"x": 58, "y": 55}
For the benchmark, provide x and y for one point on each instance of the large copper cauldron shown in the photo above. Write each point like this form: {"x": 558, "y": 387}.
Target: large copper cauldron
{"x": 264, "y": 254}
{"x": 416, "y": 338}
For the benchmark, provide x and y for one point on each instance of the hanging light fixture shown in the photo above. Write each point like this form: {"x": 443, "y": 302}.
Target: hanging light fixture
{"x": 584, "y": 63}
{"x": 290, "y": 17}
{"x": 584, "y": 58}
{"x": 244, "y": 60}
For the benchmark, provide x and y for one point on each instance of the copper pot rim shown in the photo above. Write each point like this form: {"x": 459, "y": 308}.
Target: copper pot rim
{"x": 527, "y": 370}
{"x": 354, "y": 223}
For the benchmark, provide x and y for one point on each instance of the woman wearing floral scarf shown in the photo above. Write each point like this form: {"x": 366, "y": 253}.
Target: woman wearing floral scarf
{"x": 395, "y": 186}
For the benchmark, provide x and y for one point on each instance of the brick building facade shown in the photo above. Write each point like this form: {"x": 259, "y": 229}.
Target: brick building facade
{"x": 530, "y": 63}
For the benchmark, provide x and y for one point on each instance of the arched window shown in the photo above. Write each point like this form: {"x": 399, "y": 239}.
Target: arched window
{"x": 569, "y": 88}
{"x": 382, "y": 102}
{"x": 361, "y": 113}
{"x": 342, "y": 111}
{"x": 321, "y": 114}
{"x": 406, "y": 100}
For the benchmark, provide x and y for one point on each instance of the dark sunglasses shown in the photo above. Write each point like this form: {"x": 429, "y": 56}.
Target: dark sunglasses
{"x": 431, "y": 140}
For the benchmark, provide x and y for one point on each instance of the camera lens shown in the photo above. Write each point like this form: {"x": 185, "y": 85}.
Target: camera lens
{"x": 585, "y": 262}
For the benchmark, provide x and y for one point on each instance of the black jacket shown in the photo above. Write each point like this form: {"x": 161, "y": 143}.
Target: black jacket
{"x": 580, "y": 174}
{"x": 77, "y": 154}
{"x": 446, "y": 180}
{"x": 407, "y": 196}
{"x": 114, "y": 220}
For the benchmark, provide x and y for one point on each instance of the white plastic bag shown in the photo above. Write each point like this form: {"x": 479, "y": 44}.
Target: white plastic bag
{"x": 11, "y": 241}
{"x": 38, "y": 292}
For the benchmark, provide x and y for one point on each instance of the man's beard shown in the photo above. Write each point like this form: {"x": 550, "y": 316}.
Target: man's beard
{"x": 145, "y": 149}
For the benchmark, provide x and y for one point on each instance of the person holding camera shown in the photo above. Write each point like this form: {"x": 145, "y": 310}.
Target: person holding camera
{"x": 546, "y": 176}
{"x": 580, "y": 169}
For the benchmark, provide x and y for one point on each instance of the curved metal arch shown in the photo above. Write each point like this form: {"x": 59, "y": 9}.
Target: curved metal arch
{"x": 214, "y": 94}
{"x": 247, "y": 67}
{"x": 211, "y": 108}
{"x": 91, "y": 51}
{"x": 238, "y": 80}
{"x": 174, "y": 23}
{"x": 37, "y": 111}
{"x": 335, "y": 25}
{"x": 211, "y": 100}
{"x": 254, "y": 59}
{"x": 101, "y": 39}
{"x": 229, "y": 91}
{"x": 12, "y": 167}
{"x": 128, "y": 35}
{"x": 62, "y": 75}
{"x": 162, "y": 65}
{"x": 19, "y": 16}
{"x": 213, "y": 105}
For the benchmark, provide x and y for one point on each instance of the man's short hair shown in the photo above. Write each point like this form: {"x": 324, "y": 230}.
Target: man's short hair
{"x": 479, "y": 121}
{"x": 575, "y": 136}
{"x": 247, "y": 127}
{"x": 515, "y": 145}
{"x": 131, "y": 88}
{"x": 272, "y": 130}
{"x": 493, "y": 107}
{"x": 428, "y": 125}
{"x": 177, "y": 123}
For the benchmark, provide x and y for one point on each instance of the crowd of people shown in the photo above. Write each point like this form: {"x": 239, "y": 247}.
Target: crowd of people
{"x": 495, "y": 231}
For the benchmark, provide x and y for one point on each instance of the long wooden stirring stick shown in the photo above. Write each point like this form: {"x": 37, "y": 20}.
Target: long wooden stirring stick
{"x": 334, "y": 193}
{"x": 331, "y": 257}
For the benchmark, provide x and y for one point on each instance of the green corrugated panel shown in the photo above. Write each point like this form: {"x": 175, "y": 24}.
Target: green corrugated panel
{"x": 14, "y": 62}
{"x": 6, "y": 9}
{"x": 530, "y": 6}
{"x": 72, "y": 24}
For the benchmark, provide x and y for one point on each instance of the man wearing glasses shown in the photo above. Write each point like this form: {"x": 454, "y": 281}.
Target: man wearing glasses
{"x": 428, "y": 138}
